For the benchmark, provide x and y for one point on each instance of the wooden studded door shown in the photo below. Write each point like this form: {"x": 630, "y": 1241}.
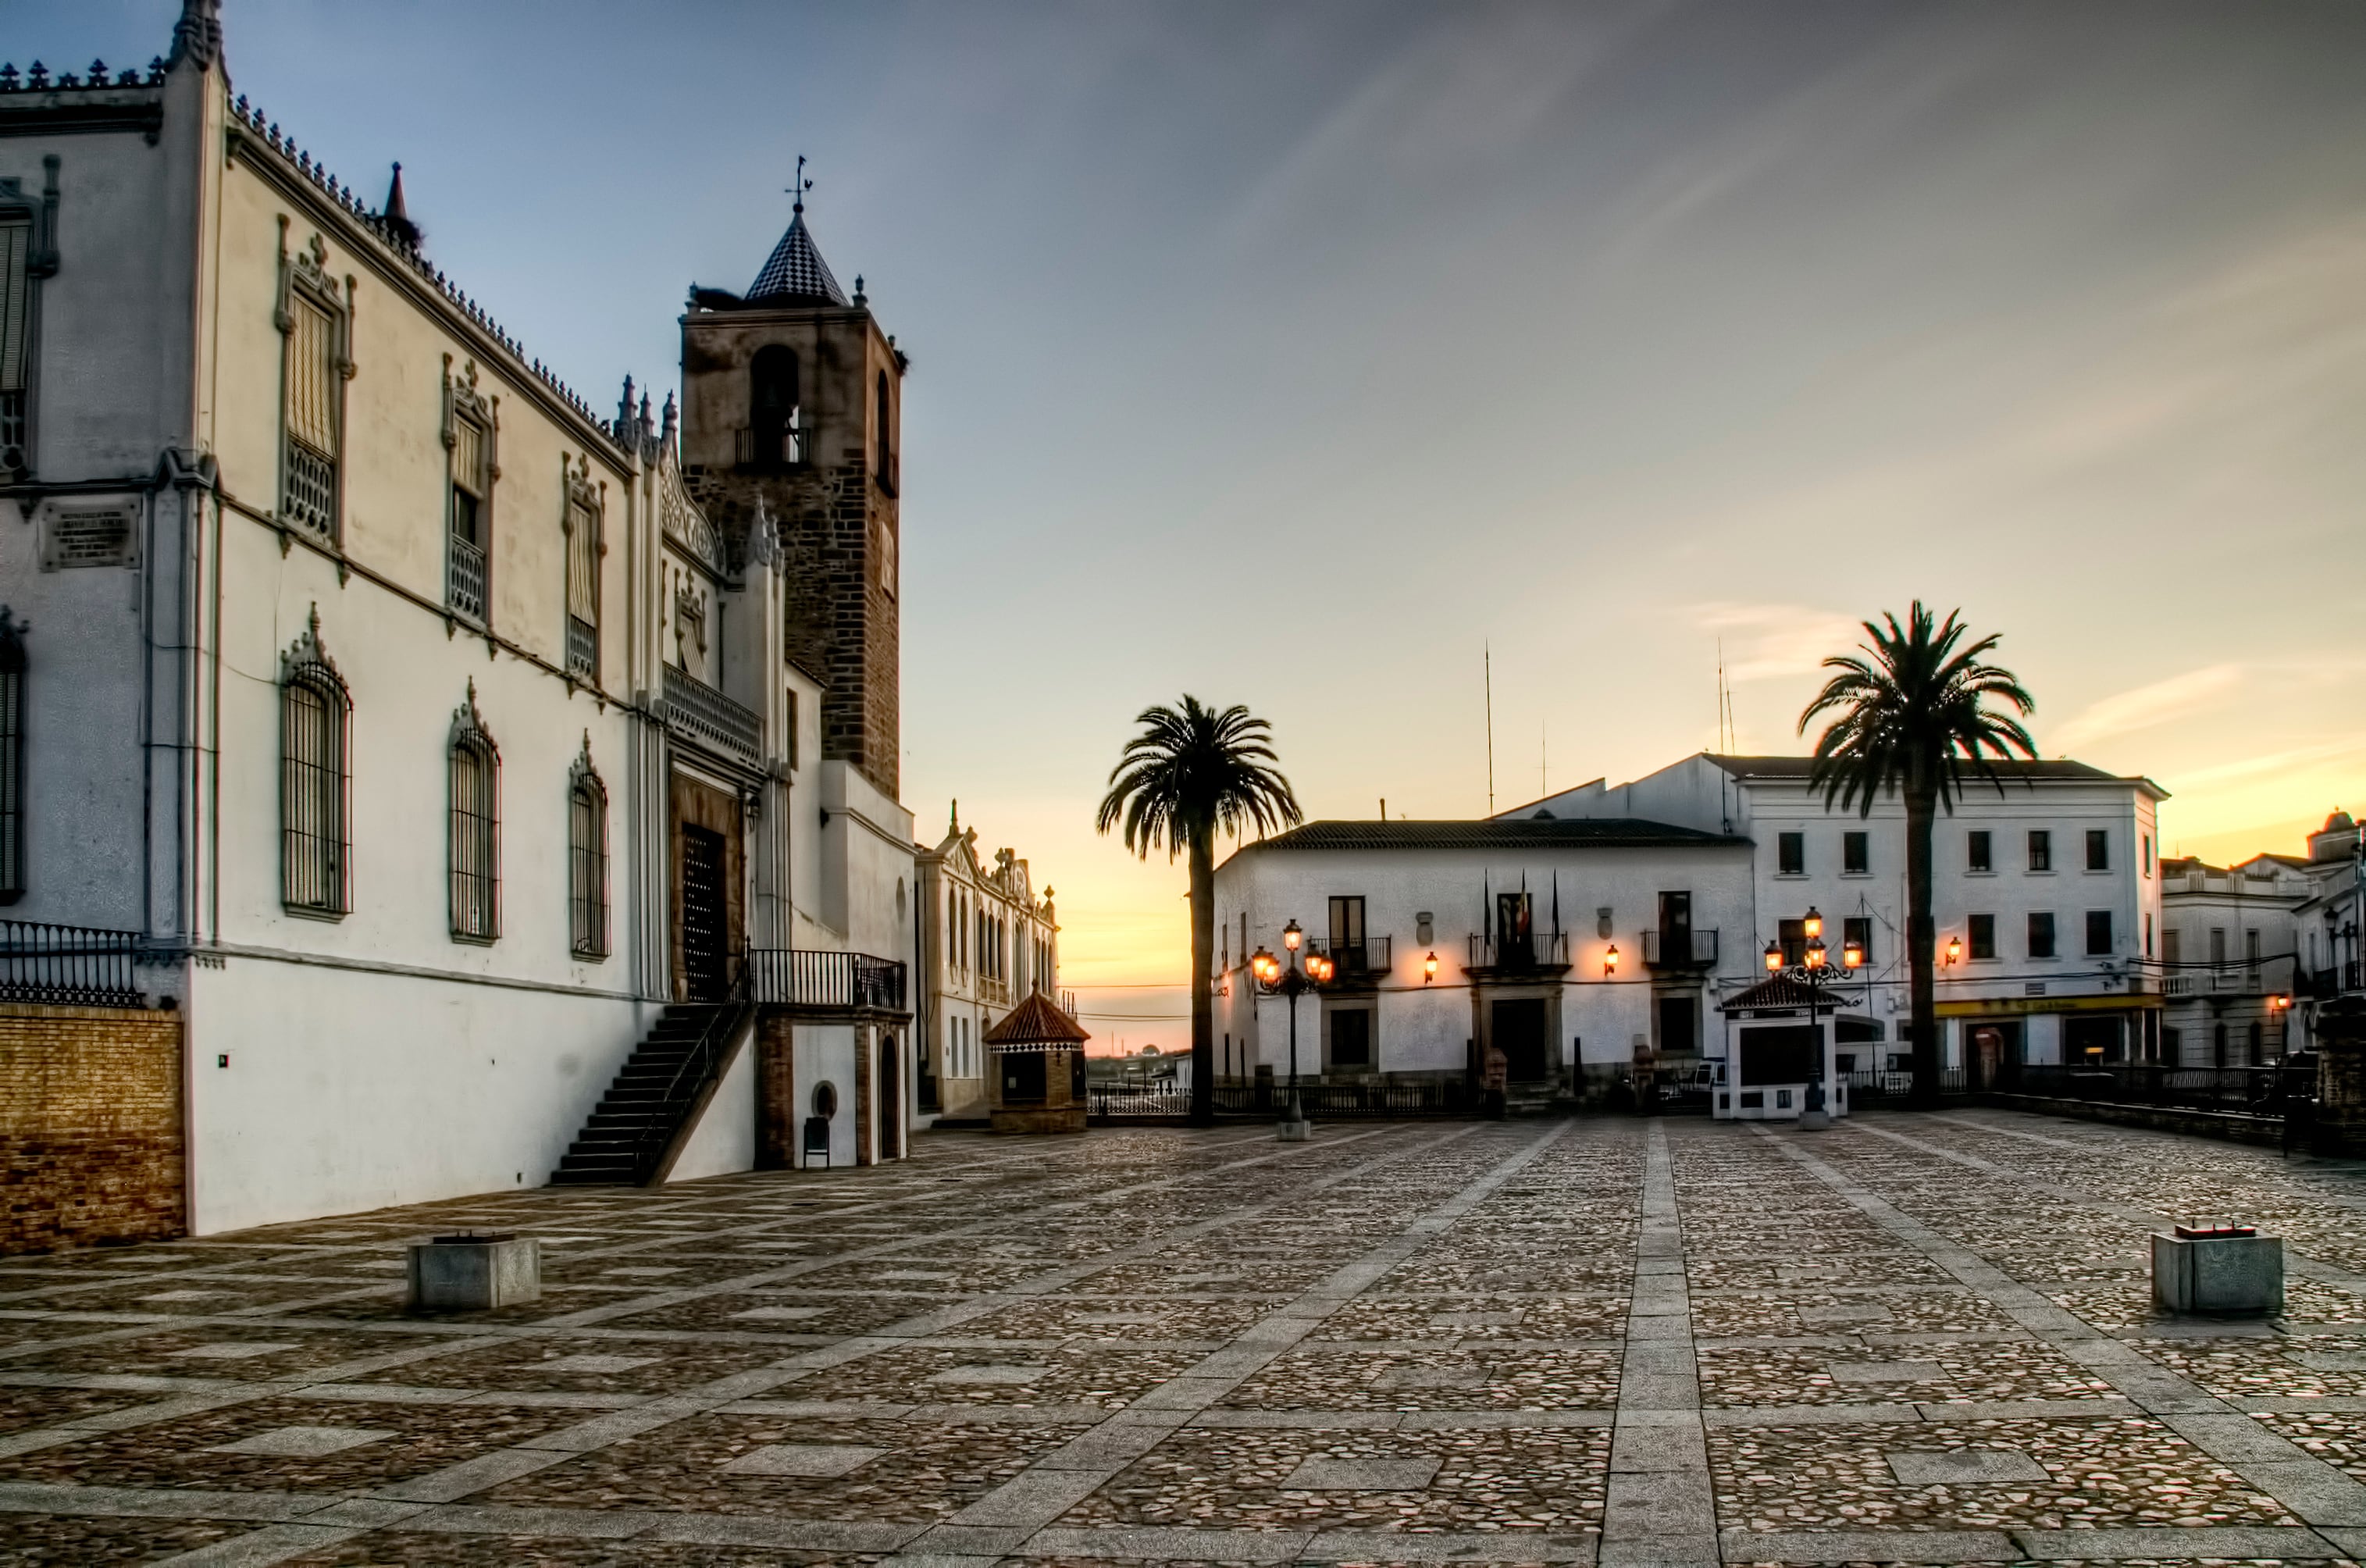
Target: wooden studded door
{"x": 705, "y": 919}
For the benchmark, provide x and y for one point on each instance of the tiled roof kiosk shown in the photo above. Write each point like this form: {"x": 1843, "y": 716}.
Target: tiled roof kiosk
{"x": 1037, "y": 1083}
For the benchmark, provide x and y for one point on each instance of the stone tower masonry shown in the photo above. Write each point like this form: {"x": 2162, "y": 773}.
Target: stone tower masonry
{"x": 790, "y": 399}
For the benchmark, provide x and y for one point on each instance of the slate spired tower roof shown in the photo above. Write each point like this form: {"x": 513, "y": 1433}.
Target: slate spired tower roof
{"x": 796, "y": 273}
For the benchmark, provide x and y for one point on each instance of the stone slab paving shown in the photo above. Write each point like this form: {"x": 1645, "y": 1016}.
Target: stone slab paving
{"x": 1908, "y": 1339}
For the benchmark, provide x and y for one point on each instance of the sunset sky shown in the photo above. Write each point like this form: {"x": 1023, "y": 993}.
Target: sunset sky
{"x": 1291, "y": 354}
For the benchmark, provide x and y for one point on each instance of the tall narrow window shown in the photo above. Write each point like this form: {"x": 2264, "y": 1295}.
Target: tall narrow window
{"x": 1858, "y": 930}
{"x": 1790, "y": 854}
{"x": 2041, "y": 935}
{"x": 469, "y": 432}
{"x": 2099, "y": 932}
{"x": 1982, "y": 929}
{"x": 773, "y": 408}
{"x": 884, "y": 414}
{"x": 16, "y": 328}
{"x": 1856, "y": 853}
{"x": 475, "y": 850}
{"x": 583, "y": 519}
{"x": 587, "y": 859}
{"x": 2041, "y": 850}
{"x": 315, "y": 714}
{"x": 2099, "y": 849}
{"x": 313, "y": 319}
{"x": 1976, "y": 851}
{"x": 12, "y": 760}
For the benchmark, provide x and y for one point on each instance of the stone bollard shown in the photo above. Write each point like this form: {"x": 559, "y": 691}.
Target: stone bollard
{"x": 474, "y": 1273}
{"x": 2224, "y": 1270}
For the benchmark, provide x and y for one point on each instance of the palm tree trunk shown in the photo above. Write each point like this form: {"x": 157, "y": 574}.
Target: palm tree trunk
{"x": 1922, "y": 945}
{"x": 1203, "y": 949}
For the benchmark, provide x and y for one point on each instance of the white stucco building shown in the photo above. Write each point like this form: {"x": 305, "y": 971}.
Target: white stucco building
{"x": 2047, "y": 904}
{"x": 429, "y": 734}
{"x": 988, "y": 943}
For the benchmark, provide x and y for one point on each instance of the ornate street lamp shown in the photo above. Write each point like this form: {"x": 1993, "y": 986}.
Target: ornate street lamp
{"x": 1813, "y": 970}
{"x": 1429, "y": 967}
{"x": 1610, "y": 962}
{"x": 1291, "y": 981}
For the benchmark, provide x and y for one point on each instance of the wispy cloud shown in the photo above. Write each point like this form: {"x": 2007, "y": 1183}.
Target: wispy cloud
{"x": 2144, "y": 706}
{"x": 1765, "y": 642}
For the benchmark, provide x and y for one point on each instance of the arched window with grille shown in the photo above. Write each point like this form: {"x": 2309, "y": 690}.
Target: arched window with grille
{"x": 476, "y": 828}
{"x": 12, "y": 757}
{"x": 315, "y": 730}
{"x": 587, "y": 858}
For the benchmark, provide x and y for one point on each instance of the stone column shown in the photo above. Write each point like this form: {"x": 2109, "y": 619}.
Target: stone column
{"x": 2341, "y": 1077}
{"x": 780, "y": 1118}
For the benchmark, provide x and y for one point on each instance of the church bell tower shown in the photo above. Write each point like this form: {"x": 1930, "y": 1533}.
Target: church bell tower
{"x": 790, "y": 397}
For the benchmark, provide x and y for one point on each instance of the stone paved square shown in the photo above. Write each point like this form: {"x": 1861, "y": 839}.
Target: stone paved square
{"x": 1484, "y": 1342}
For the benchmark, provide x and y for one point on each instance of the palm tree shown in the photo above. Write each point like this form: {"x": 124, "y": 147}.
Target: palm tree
{"x": 1911, "y": 720}
{"x": 1190, "y": 774}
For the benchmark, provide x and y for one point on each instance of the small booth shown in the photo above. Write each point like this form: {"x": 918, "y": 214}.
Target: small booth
{"x": 1779, "y": 1038}
{"x": 1036, "y": 1083}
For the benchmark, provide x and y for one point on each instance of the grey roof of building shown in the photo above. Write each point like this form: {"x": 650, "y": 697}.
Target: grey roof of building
{"x": 796, "y": 270}
{"x": 2011, "y": 768}
{"x": 1527, "y": 833}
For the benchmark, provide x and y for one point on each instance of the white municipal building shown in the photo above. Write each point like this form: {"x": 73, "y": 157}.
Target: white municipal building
{"x": 1605, "y": 934}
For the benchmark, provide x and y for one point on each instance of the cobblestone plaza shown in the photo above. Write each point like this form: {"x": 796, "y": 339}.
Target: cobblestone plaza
{"x": 1919, "y": 1339}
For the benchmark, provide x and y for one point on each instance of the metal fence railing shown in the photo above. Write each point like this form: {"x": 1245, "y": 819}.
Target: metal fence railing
{"x": 1446, "y": 1097}
{"x": 796, "y": 977}
{"x": 2262, "y": 1090}
{"x": 68, "y": 966}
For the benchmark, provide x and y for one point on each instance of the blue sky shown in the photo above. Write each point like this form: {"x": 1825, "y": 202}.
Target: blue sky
{"x": 1288, "y": 354}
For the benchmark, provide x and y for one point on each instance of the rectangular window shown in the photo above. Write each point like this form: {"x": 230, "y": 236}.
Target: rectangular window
{"x": 2148, "y": 936}
{"x": 1857, "y": 929}
{"x": 466, "y": 589}
{"x": 1977, "y": 856}
{"x": 1983, "y": 935}
{"x": 2172, "y": 945}
{"x": 1347, "y": 932}
{"x": 1793, "y": 936}
{"x": 582, "y": 590}
{"x": 1791, "y": 854}
{"x": 2041, "y": 935}
{"x": 2252, "y": 949}
{"x": 312, "y": 709}
{"x": 1856, "y": 853}
{"x": 2099, "y": 850}
{"x": 2099, "y": 932}
{"x": 309, "y": 495}
{"x": 2041, "y": 850}
{"x": 12, "y": 763}
{"x": 2217, "y": 945}
{"x": 16, "y": 306}
{"x": 2147, "y": 855}
{"x": 475, "y": 840}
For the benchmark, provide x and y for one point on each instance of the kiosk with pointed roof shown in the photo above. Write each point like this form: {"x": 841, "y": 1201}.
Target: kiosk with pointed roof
{"x": 1037, "y": 1084}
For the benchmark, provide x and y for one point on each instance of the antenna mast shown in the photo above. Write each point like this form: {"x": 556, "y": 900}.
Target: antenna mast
{"x": 1487, "y": 669}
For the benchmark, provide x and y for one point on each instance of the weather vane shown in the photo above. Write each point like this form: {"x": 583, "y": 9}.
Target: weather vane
{"x": 804, "y": 184}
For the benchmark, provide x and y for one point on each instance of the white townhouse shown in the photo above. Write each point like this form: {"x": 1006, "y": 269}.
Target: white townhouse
{"x": 2046, "y": 897}
{"x": 986, "y": 943}
{"x": 2230, "y": 948}
{"x": 487, "y": 787}
{"x": 1571, "y": 948}
{"x": 1453, "y": 940}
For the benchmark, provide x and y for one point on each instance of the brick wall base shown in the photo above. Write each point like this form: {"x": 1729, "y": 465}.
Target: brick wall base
{"x": 91, "y": 1140}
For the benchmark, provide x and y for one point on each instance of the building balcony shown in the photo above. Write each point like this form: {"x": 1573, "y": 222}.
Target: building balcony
{"x": 68, "y": 966}
{"x": 1538, "y": 952}
{"x": 809, "y": 980}
{"x": 782, "y": 448}
{"x": 1366, "y": 960}
{"x": 1680, "y": 949}
{"x": 697, "y": 710}
{"x": 464, "y": 580}
{"x": 2234, "y": 980}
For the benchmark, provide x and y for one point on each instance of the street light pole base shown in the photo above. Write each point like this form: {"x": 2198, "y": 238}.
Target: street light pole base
{"x": 1293, "y": 1132}
{"x": 1815, "y": 1121}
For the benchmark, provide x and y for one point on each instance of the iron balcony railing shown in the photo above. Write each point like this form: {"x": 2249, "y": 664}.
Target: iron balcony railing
{"x": 788, "y": 449}
{"x": 698, "y": 1067}
{"x": 583, "y": 648}
{"x": 805, "y": 977}
{"x": 1680, "y": 949}
{"x": 68, "y": 966}
{"x": 464, "y": 585}
{"x": 705, "y": 713}
{"x": 1369, "y": 956}
{"x": 1540, "y": 949}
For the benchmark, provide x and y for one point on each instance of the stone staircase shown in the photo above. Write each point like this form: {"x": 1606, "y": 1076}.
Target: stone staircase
{"x": 634, "y": 1120}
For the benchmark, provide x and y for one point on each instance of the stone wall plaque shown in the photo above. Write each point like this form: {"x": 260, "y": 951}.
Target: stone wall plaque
{"x": 94, "y": 530}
